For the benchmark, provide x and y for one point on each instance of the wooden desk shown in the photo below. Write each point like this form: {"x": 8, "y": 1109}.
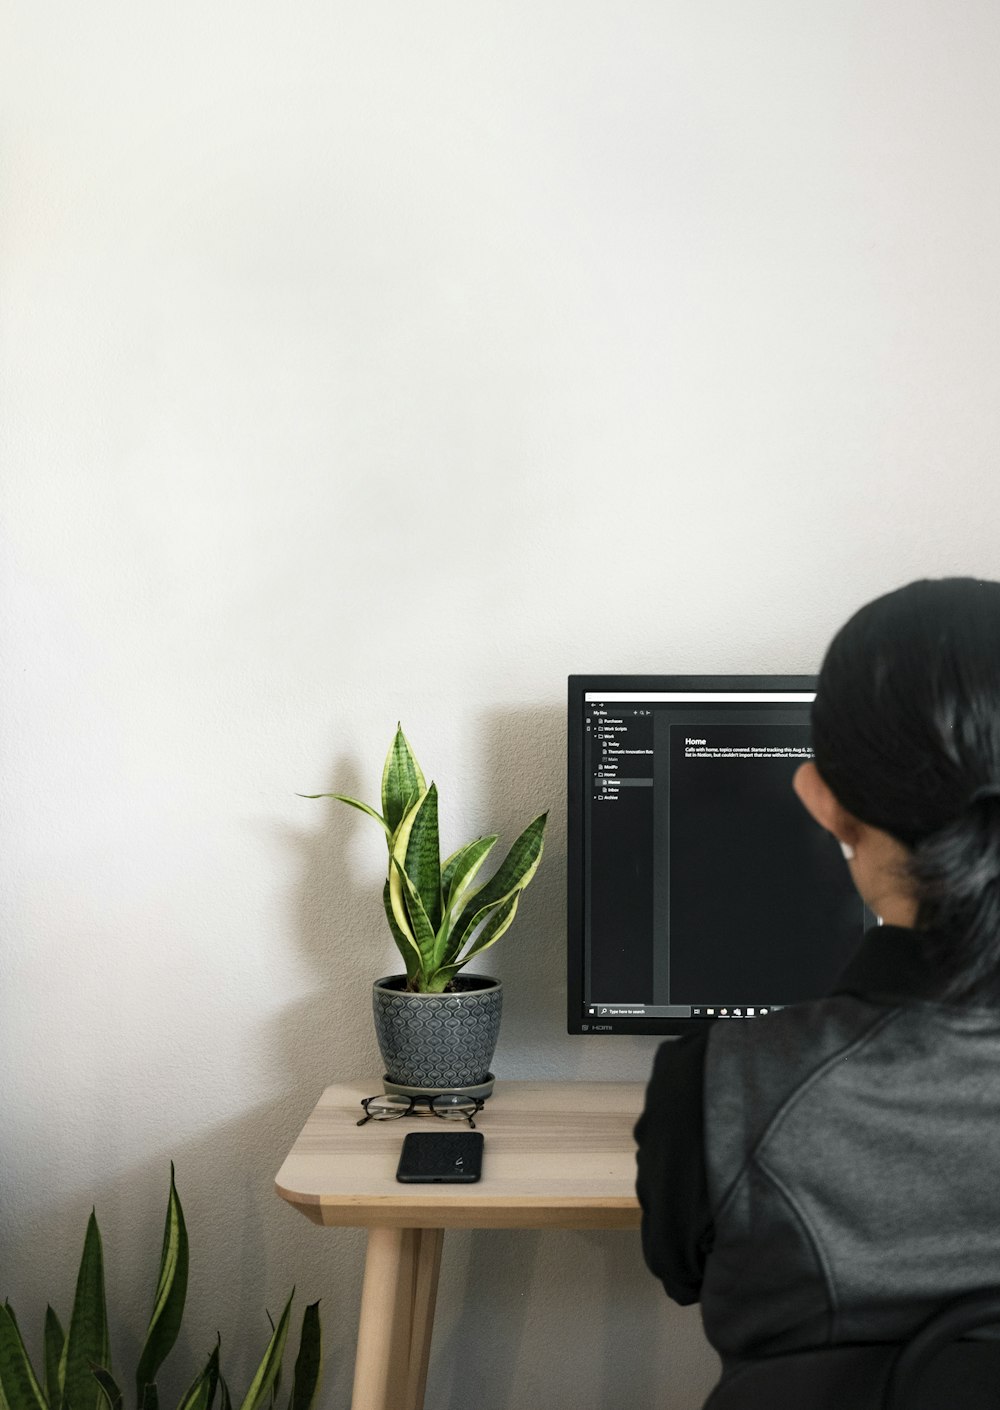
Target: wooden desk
{"x": 558, "y": 1155}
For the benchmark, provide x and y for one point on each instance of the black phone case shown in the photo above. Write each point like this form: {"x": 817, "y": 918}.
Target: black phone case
{"x": 441, "y": 1157}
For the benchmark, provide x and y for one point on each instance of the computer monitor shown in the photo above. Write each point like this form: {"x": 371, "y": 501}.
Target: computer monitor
{"x": 700, "y": 889}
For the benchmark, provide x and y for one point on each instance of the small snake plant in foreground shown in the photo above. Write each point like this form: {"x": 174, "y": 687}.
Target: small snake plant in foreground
{"x": 78, "y": 1375}
{"x": 432, "y": 908}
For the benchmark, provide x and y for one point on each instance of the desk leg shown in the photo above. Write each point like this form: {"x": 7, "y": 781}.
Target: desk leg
{"x": 425, "y": 1283}
{"x": 397, "y": 1318}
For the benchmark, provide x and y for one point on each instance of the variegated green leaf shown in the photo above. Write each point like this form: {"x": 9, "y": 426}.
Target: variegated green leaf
{"x": 201, "y": 1392}
{"x": 18, "y": 1382}
{"x": 497, "y": 924}
{"x": 225, "y": 1402}
{"x": 422, "y": 928}
{"x": 260, "y": 1386}
{"x": 353, "y": 802}
{"x": 87, "y": 1338}
{"x": 417, "y": 850}
{"x": 109, "y": 1387}
{"x": 171, "y": 1290}
{"x": 513, "y": 874}
{"x": 460, "y": 868}
{"x": 402, "y": 780}
{"x": 405, "y": 944}
{"x": 396, "y": 890}
{"x": 309, "y": 1362}
{"x": 55, "y": 1340}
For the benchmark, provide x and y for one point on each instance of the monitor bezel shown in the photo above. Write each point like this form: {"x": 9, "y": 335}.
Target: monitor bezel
{"x": 578, "y": 687}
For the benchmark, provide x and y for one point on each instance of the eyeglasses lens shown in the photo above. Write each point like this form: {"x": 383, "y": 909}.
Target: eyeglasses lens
{"x": 385, "y": 1108}
{"x": 454, "y": 1107}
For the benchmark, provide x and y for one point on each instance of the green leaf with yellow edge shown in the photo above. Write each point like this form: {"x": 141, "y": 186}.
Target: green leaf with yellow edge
{"x": 422, "y": 928}
{"x": 109, "y": 1387}
{"x": 260, "y": 1386}
{"x": 458, "y": 871}
{"x": 405, "y": 944}
{"x": 420, "y": 853}
{"x": 499, "y": 922}
{"x": 353, "y": 802}
{"x": 396, "y": 890}
{"x": 201, "y": 1392}
{"x": 171, "y": 1290}
{"x": 18, "y": 1382}
{"x": 402, "y": 780}
{"x": 513, "y": 874}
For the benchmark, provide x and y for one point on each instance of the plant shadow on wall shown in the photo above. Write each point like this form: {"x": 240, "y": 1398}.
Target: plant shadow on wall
{"x": 341, "y": 933}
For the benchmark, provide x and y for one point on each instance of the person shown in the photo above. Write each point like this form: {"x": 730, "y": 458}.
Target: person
{"x": 831, "y": 1174}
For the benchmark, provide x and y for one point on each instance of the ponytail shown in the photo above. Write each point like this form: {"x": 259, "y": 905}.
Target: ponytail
{"x": 955, "y": 876}
{"x": 906, "y": 733}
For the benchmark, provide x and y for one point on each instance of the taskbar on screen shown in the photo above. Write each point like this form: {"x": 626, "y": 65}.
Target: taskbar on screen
{"x": 681, "y": 1010}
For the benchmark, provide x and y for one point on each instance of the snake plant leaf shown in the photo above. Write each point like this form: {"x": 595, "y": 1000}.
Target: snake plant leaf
{"x": 402, "y": 780}
{"x": 513, "y": 874}
{"x": 150, "y": 1399}
{"x": 396, "y": 889}
{"x": 418, "y": 851}
{"x": 422, "y": 928}
{"x": 460, "y": 868}
{"x": 201, "y": 1392}
{"x": 353, "y": 802}
{"x": 18, "y": 1383}
{"x": 308, "y": 1363}
{"x": 109, "y": 1387}
{"x": 405, "y": 944}
{"x": 260, "y": 1386}
{"x": 276, "y": 1383}
{"x": 171, "y": 1290}
{"x": 87, "y": 1338}
{"x": 499, "y": 922}
{"x": 487, "y": 913}
{"x": 55, "y": 1340}
{"x": 225, "y": 1402}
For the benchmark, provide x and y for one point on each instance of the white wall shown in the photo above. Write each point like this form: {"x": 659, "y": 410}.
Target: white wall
{"x": 392, "y": 361}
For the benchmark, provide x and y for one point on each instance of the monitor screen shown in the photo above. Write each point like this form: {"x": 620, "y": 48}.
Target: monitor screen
{"x": 700, "y": 889}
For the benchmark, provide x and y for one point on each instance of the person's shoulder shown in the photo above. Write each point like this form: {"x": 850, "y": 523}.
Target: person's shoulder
{"x": 750, "y": 1062}
{"x": 753, "y": 1066}
{"x": 797, "y": 1028}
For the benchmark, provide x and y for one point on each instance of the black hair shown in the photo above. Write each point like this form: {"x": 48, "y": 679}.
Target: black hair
{"x": 906, "y": 734}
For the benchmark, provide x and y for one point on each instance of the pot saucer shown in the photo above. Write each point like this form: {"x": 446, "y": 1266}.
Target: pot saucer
{"x": 480, "y": 1090}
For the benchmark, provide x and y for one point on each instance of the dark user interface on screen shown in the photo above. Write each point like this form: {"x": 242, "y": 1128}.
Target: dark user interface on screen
{"x": 709, "y": 891}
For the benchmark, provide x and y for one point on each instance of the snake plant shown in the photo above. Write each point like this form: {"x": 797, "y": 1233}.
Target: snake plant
{"x": 77, "y": 1364}
{"x": 438, "y": 919}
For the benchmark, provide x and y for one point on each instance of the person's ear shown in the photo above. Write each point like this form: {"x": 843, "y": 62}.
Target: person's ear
{"x": 818, "y": 800}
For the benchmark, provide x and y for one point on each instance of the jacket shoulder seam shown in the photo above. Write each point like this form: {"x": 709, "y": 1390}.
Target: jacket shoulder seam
{"x": 815, "y": 1243}
{"x": 853, "y": 1045}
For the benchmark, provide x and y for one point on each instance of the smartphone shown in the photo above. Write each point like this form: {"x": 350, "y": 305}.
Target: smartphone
{"x": 441, "y": 1157}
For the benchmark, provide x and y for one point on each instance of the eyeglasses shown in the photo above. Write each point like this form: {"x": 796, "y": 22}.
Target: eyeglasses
{"x": 451, "y": 1106}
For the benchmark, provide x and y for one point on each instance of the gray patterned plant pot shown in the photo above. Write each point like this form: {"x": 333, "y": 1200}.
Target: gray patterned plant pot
{"x": 438, "y": 1040}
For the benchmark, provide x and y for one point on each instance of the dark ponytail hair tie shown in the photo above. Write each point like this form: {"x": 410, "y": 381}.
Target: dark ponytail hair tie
{"x": 986, "y": 790}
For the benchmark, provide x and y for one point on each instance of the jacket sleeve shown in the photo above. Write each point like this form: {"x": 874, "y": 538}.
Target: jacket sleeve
{"x": 671, "y": 1182}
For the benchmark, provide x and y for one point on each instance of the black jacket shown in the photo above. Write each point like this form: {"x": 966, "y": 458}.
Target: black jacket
{"x": 829, "y": 1173}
